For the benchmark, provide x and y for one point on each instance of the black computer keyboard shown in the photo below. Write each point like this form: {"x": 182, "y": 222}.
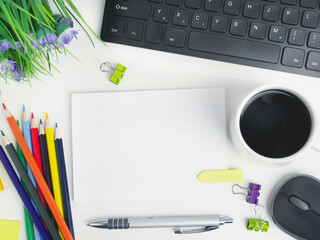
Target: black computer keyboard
{"x": 282, "y": 35}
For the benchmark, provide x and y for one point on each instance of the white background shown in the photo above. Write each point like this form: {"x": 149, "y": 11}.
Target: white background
{"x": 152, "y": 70}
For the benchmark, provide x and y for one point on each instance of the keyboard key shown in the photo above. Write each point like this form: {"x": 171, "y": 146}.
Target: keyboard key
{"x": 258, "y": 30}
{"x": 180, "y": 18}
{"x": 314, "y": 40}
{"x": 153, "y": 33}
{"x": 196, "y": 4}
{"x": 309, "y": 3}
{"x": 290, "y": 16}
{"x": 131, "y": 9}
{"x": 271, "y": 13}
{"x": 289, "y": 2}
{"x": 310, "y": 19}
{"x": 251, "y": 10}
{"x": 134, "y": 31}
{"x": 293, "y": 57}
{"x": 174, "y": 2}
{"x": 161, "y": 14}
{"x": 219, "y": 24}
{"x": 212, "y": 5}
{"x": 175, "y": 37}
{"x": 277, "y": 34}
{"x": 234, "y": 47}
{"x": 297, "y": 37}
{"x": 238, "y": 27}
{"x": 200, "y": 20}
{"x": 232, "y": 7}
{"x": 313, "y": 62}
{"x": 156, "y": 1}
{"x": 115, "y": 27}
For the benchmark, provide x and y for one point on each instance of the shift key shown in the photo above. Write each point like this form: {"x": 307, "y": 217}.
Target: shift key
{"x": 131, "y": 9}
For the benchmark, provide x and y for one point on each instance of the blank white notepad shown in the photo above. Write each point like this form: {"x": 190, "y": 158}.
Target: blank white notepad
{"x": 146, "y": 145}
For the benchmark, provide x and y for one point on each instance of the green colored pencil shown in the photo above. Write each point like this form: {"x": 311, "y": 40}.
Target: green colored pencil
{"x": 27, "y": 218}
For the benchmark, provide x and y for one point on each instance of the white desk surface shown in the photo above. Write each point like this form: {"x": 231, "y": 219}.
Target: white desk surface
{"x": 149, "y": 70}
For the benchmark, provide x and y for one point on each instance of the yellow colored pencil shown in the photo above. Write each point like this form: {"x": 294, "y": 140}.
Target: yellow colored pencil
{"x": 53, "y": 165}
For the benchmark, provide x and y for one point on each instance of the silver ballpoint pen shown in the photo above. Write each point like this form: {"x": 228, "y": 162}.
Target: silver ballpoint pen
{"x": 181, "y": 225}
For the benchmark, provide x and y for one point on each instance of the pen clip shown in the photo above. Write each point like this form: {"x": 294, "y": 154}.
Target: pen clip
{"x": 195, "y": 230}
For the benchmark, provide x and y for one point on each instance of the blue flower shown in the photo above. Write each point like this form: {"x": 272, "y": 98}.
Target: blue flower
{"x": 33, "y": 42}
{"x": 4, "y": 45}
{"x": 18, "y": 74}
{"x": 19, "y": 46}
{"x": 65, "y": 33}
{"x": 15, "y": 70}
{"x": 46, "y": 37}
{"x": 11, "y": 65}
{"x": 61, "y": 19}
{"x": 67, "y": 21}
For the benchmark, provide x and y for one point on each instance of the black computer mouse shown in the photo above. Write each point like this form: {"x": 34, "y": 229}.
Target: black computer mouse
{"x": 296, "y": 207}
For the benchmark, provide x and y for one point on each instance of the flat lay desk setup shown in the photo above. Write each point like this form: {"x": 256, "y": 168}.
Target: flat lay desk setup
{"x": 109, "y": 133}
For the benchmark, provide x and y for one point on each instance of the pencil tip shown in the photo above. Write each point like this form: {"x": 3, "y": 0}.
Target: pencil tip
{"x": 32, "y": 115}
{"x": 24, "y": 108}
{"x": 47, "y": 116}
{"x": 4, "y": 106}
{"x": 18, "y": 123}
{"x": 2, "y": 133}
{"x": 56, "y": 125}
{"x": 40, "y": 121}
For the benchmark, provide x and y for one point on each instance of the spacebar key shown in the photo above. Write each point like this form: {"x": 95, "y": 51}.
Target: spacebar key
{"x": 234, "y": 47}
{"x": 131, "y": 9}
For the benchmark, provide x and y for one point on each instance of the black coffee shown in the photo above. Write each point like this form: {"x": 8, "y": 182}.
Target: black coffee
{"x": 275, "y": 123}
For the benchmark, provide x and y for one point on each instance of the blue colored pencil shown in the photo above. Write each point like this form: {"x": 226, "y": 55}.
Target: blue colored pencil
{"x": 27, "y": 136}
{"x": 63, "y": 180}
{"x": 23, "y": 195}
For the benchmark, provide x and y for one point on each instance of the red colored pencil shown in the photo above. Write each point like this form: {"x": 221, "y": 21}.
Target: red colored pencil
{"x": 36, "y": 151}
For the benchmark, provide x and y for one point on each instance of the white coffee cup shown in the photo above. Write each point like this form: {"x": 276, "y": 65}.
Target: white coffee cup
{"x": 242, "y": 145}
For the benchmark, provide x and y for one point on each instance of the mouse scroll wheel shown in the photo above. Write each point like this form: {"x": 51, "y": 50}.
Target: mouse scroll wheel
{"x": 299, "y": 203}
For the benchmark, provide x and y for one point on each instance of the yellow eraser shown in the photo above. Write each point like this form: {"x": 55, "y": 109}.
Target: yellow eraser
{"x": 1, "y": 185}
{"x": 219, "y": 176}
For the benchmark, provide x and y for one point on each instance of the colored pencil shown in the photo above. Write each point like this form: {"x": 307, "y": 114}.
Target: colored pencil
{"x": 27, "y": 218}
{"x": 27, "y": 137}
{"x": 53, "y": 165}
{"x": 30, "y": 187}
{"x": 63, "y": 180}
{"x": 44, "y": 157}
{"x": 37, "y": 174}
{"x": 36, "y": 151}
{"x": 23, "y": 195}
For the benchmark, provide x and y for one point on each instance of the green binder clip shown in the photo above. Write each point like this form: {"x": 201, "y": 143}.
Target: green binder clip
{"x": 117, "y": 73}
{"x": 258, "y": 225}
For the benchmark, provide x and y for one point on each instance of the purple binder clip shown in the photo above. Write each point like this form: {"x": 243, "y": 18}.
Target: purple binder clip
{"x": 252, "y": 193}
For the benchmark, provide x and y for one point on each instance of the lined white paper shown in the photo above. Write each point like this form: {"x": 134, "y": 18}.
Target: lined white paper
{"x": 146, "y": 145}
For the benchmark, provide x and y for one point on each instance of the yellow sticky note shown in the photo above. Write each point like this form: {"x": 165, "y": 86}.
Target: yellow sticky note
{"x": 9, "y": 230}
{"x": 219, "y": 176}
{"x": 1, "y": 185}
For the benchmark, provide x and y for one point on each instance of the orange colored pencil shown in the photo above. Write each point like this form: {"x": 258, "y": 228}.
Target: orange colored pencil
{"x": 37, "y": 175}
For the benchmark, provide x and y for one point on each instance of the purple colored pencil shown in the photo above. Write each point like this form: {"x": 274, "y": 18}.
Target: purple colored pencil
{"x": 23, "y": 195}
